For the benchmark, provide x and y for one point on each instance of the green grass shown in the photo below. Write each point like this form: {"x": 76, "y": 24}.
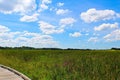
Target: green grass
{"x": 64, "y": 64}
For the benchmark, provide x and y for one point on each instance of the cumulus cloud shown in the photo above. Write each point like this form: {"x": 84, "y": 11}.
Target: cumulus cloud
{"x": 60, "y": 4}
{"x": 75, "y": 34}
{"x": 105, "y": 26}
{"x": 16, "y": 39}
{"x": 46, "y": 1}
{"x": 113, "y": 36}
{"x": 93, "y": 15}
{"x": 67, "y": 21}
{"x": 44, "y": 4}
{"x": 47, "y": 28}
{"x": 3, "y": 29}
{"x": 32, "y": 18}
{"x": 62, "y": 11}
{"x": 21, "y": 6}
{"x": 93, "y": 39}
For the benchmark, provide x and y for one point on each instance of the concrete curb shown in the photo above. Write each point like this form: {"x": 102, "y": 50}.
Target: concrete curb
{"x": 16, "y": 72}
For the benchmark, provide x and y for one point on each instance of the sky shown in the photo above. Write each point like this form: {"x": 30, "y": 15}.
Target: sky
{"x": 93, "y": 24}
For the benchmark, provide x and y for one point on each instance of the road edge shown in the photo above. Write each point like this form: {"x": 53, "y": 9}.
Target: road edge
{"x": 15, "y": 71}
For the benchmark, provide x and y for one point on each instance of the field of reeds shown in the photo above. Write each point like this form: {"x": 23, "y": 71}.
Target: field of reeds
{"x": 64, "y": 64}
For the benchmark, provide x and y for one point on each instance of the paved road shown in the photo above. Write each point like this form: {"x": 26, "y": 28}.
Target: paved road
{"x": 7, "y": 74}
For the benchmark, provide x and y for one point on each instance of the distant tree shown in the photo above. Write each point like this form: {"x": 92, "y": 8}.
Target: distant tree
{"x": 115, "y": 48}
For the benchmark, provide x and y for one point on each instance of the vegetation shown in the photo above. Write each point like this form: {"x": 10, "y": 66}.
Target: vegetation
{"x": 64, "y": 64}
{"x": 115, "y": 48}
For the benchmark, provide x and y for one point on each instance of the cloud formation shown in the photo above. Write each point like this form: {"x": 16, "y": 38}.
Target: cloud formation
{"x": 44, "y": 5}
{"x": 93, "y": 15}
{"x": 32, "y": 18}
{"x": 75, "y": 34}
{"x": 60, "y": 4}
{"x": 3, "y": 29}
{"x": 62, "y": 11}
{"x": 17, "y": 6}
{"x": 67, "y": 21}
{"x": 113, "y": 36}
{"x": 93, "y": 39}
{"x": 106, "y": 26}
{"x": 16, "y": 39}
{"x": 47, "y": 28}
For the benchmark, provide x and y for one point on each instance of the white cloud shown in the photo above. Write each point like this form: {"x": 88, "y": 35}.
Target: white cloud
{"x": 28, "y": 34}
{"x": 60, "y": 4}
{"x": 93, "y": 15}
{"x": 27, "y": 18}
{"x": 47, "y": 28}
{"x": 62, "y": 11}
{"x": 44, "y": 41}
{"x": 113, "y": 36}
{"x": 37, "y": 41}
{"x": 105, "y": 26}
{"x": 75, "y": 34}
{"x": 21, "y": 6}
{"x": 46, "y": 1}
{"x": 67, "y": 21}
{"x": 44, "y": 5}
{"x": 16, "y": 39}
{"x": 3, "y": 29}
{"x": 93, "y": 39}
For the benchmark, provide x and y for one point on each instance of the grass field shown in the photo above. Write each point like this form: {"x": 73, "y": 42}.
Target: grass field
{"x": 64, "y": 64}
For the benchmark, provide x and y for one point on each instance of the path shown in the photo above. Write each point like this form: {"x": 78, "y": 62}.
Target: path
{"x": 7, "y": 73}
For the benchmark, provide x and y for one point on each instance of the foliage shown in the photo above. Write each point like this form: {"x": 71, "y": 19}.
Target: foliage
{"x": 64, "y": 64}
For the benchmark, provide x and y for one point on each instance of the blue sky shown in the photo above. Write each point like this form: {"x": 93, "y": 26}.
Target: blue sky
{"x": 60, "y": 23}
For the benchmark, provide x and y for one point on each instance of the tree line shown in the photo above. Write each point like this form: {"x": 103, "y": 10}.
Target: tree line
{"x": 32, "y": 48}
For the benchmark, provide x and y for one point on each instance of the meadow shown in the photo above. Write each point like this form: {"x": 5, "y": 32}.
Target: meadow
{"x": 64, "y": 64}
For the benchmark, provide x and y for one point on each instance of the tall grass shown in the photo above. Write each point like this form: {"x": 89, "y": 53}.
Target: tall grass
{"x": 64, "y": 64}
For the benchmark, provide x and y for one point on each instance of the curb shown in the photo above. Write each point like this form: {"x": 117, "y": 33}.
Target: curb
{"x": 16, "y": 72}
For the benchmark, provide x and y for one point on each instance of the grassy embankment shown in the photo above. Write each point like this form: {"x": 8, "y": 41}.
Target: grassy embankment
{"x": 64, "y": 64}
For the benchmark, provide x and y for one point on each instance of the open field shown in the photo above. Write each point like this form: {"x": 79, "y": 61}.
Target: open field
{"x": 64, "y": 64}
